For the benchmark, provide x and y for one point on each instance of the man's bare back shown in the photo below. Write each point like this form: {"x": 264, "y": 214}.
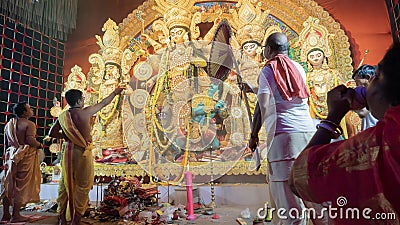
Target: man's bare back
{"x": 24, "y": 128}
{"x": 81, "y": 119}
{"x": 26, "y": 133}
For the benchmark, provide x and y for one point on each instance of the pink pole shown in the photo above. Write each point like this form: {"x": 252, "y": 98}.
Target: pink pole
{"x": 189, "y": 192}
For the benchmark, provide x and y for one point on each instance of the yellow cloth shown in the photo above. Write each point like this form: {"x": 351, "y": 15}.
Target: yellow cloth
{"x": 21, "y": 183}
{"x": 72, "y": 132}
{"x": 78, "y": 171}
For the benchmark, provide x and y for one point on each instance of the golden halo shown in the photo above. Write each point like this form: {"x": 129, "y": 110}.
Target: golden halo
{"x": 139, "y": 98}
{"x": 143, "y": 71}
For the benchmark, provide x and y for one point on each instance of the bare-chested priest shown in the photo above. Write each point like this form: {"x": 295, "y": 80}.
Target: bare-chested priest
{"x": 73, "y": 125}
{"x": 21, "y": 183}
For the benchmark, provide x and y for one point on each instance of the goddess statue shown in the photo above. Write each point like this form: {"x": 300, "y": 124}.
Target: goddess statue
{"x": 184, "y": 100}
{"x": 110, "y": 67}
{"x": 321, "y": 77}
{"x": 250, "y": 23}
{"x": 76, "y": 80}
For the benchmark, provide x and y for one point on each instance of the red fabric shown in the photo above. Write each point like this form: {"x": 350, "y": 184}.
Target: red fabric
{"x": 288, "y": 78}
{"x": 364, "y": 169}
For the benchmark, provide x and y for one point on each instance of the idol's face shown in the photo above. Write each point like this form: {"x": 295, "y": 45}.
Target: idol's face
{"x": 177, "y": 35}
{"x": 112, "y": 71}
{"x": 250, "y": 48}
{"x": 316, "y": 58}
{"x": 110, "y": 68}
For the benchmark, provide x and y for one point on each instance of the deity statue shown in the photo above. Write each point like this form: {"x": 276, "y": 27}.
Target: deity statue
{"x": 250, "y": 24}
{"x": 314, "y": 41}
{"x": 184, "y": 101}
{"x": 110, "y": 67}
{"x": 252, "y": 30}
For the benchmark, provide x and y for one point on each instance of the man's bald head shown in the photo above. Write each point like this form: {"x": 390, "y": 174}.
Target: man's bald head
{"x": 276, "y": 43}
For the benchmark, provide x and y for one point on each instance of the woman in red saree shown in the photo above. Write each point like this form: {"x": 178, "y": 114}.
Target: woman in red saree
{"x": 360, "y": 177}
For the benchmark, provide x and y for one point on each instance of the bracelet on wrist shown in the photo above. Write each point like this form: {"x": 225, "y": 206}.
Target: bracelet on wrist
{"x": 334, "y": 125}
{"x": 335, "y": 131}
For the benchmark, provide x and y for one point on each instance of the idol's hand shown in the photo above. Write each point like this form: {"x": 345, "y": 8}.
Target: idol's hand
{"x": 123, "y": 85}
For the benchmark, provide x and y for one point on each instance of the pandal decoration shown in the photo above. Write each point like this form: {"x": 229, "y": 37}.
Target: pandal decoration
{"x": 132, "y": 43}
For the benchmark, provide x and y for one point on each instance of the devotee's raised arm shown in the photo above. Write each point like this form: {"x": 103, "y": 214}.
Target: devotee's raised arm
{"x": 339, "y": 103}
{"x": 91, "y": 110}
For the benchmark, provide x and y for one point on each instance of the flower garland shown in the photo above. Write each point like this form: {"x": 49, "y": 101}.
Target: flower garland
{"x": 106, "y": 119}
{"x": 162, "y": 83}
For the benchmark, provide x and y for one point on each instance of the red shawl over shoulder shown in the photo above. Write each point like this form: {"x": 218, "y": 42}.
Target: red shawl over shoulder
{"x": 288, "y": 78}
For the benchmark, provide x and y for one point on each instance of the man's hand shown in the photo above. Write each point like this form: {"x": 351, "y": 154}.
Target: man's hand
{"x": 120, "y": 88}
{"x": 253, "y": 143}
{"x": 339, "y": 102}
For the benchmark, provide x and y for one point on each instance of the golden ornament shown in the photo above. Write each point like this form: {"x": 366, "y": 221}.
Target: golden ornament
{"x": 54, "y": 148}
{"x": 139, "y": 98}
{"x": 143, "y": 71}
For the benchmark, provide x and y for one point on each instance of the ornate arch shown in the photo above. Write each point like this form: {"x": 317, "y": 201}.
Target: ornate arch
{"x": 291, "y": 12}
